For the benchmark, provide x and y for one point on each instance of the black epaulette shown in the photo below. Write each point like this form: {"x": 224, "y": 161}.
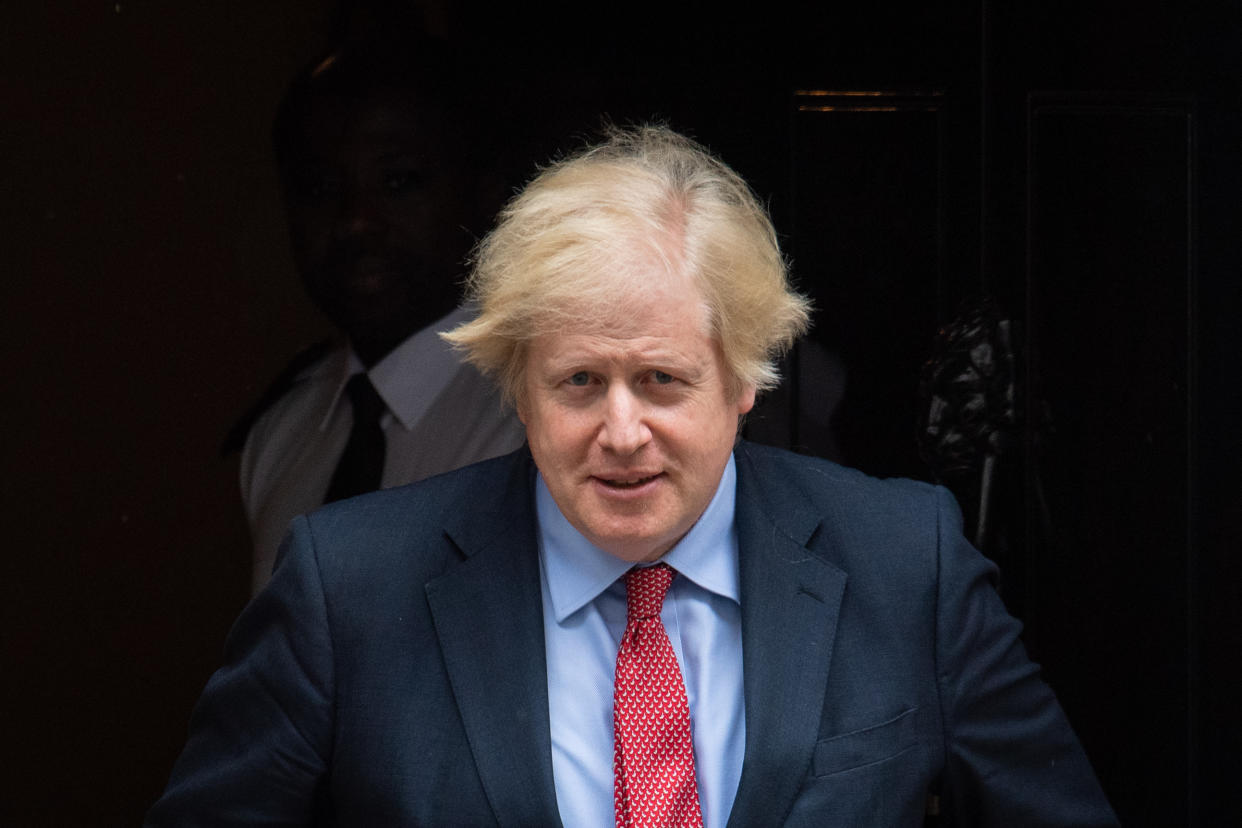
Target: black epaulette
{"x": 236, "y": 437}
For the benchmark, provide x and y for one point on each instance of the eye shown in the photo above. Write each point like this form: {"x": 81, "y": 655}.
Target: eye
{"x": 579, "y": 379}
{"x": 661, "y": 378}
{"x": 314, "y": 184}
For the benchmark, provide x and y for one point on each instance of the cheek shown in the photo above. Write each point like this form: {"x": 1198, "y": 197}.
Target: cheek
{"x": 566, "y": 439}
{"x": 546, "y": 431}
{"x": 309, "y": 236}
{"x": 414, "y": 223}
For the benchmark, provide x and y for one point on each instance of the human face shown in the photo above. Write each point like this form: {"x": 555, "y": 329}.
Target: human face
{"x": 631, "y": 424}
{"x": 379, "y": 203}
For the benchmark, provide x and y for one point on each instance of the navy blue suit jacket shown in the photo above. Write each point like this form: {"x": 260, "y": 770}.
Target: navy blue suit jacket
{"x": 393, "y": 671}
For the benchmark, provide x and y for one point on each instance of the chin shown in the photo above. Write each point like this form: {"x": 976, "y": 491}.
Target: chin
{"x": 631, "y": 547}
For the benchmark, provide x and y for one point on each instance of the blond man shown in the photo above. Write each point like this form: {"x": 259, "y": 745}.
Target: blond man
{"x": 638, "y": 619}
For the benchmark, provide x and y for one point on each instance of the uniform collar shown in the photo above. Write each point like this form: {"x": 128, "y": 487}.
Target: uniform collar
{"x": 411, "y": 376}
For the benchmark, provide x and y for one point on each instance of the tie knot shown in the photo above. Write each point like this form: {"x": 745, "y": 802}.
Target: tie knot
{"x": 367, "y": 403}
{"x": 645, "y": 588}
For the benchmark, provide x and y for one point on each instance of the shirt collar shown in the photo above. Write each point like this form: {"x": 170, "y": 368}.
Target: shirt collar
{"x": 578, "y": 571}
{"x": 411, "y": 376}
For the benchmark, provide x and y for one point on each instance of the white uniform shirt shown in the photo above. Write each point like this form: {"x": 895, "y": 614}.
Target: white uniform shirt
{"x": 442, "y": 414}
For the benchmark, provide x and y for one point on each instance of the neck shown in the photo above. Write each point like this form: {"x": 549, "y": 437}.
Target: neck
{"x": 371, "y": 351}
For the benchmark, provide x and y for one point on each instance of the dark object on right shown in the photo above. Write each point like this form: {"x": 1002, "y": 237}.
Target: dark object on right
{"x": 968, "y": 419}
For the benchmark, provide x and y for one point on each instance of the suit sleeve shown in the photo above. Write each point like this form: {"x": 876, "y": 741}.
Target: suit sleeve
{"x": 261, "y": 734}
{"x": 1011, "y": 756}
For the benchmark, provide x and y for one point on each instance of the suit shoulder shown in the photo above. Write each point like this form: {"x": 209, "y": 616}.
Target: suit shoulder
{"x": 421, "y": 511}
{"x": 885, "y": 532}
{"x": 819, "y": 478}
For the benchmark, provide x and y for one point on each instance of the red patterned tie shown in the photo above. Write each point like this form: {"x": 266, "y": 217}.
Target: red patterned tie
{"x": 653, "y": 754}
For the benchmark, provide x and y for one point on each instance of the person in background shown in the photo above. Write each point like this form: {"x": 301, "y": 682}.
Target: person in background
{"x": 386, "y": 179}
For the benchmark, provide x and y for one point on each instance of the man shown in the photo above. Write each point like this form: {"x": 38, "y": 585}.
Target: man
{"x": 381, "y": 186}
{"x": 637, "y": 621}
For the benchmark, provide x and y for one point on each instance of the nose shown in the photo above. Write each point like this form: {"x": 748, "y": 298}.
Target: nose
{"x": 360, "y": 214}
{"x": 624, "y": 430}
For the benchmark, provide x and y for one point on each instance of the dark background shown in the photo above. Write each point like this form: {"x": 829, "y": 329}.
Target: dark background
{"x": 1080, "y": 163}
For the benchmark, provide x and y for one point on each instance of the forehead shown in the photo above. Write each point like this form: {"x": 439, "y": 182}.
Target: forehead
{"x": 668, "y": 327}
{"x": 383, "y": 121}
{"x": 637, "y": 302}
{"x": 663, "y": 327}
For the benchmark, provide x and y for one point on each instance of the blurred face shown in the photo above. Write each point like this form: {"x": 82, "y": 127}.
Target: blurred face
{"x": 378, "y": 207}
{"x": 631, "y": 424}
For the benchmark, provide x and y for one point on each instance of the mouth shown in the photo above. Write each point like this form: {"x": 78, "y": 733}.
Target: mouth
{"x": 369, "y": 272}
{"x": 359, "y": 270}
{"x": 624, "y": 482}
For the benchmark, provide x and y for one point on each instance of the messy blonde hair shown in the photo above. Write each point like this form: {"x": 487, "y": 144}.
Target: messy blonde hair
{"x": 644, "y": 206}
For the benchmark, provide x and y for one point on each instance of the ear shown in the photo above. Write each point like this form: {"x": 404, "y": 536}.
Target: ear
{"x": 745, "y": 399}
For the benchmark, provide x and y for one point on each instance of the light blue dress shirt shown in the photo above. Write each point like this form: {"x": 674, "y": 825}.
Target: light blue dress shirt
{"x": 583, "y": 620}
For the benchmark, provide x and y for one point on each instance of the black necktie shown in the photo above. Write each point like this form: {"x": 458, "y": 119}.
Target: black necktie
{"x": 362, "y": 464}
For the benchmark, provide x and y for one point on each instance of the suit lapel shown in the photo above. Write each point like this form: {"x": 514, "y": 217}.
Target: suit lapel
{"x": 488, "y": 618}
{"x": 791, "y": 597}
